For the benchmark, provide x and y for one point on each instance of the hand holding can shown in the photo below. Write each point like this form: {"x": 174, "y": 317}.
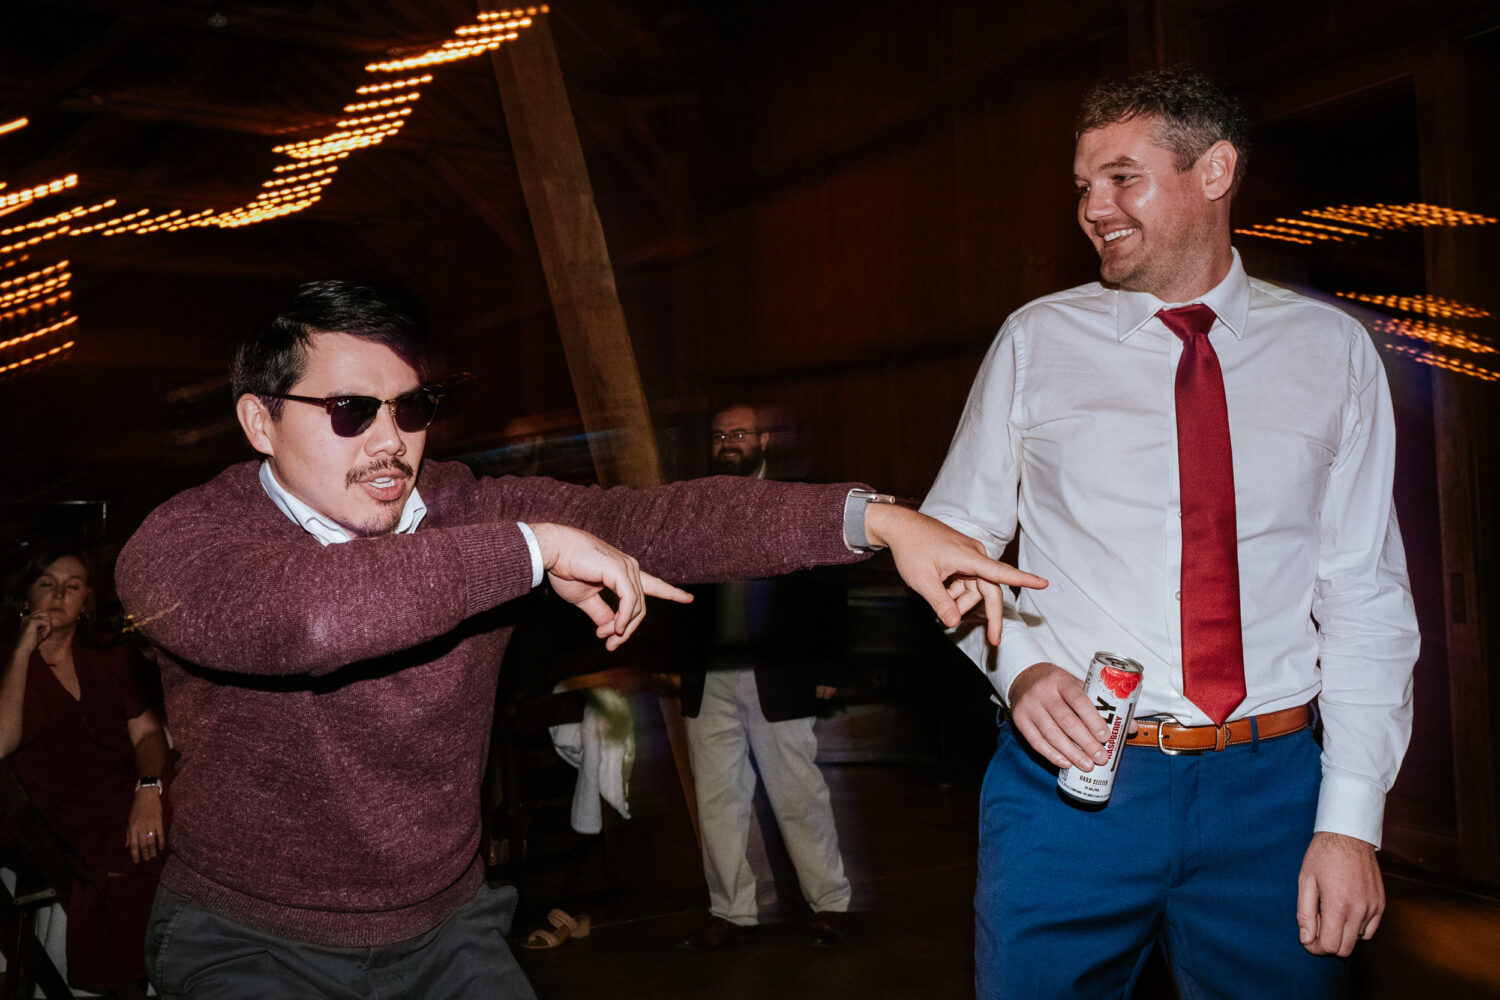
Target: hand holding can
{"x": 1113, "y": 686}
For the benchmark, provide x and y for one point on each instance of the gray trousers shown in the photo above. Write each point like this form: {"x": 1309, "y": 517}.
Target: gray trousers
{"x": 192, "y": 953}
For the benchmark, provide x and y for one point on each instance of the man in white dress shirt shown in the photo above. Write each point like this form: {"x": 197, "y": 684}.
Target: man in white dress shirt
{"x": 1201, "y": 464}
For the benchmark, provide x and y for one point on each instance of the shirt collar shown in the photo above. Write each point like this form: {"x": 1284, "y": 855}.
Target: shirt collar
{"x": 320, "y": 526}
{"x": 1229, "y": 299}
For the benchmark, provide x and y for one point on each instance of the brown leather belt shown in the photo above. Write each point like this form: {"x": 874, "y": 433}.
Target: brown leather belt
{"x": 1169, "y": 737}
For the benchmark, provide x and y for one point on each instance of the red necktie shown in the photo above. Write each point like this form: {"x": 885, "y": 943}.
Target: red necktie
{"x": 1213, "y": 656}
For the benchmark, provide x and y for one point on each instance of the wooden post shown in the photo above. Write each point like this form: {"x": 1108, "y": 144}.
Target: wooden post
{"x": 575, "y": 260}
{"x": 581, "y": 281}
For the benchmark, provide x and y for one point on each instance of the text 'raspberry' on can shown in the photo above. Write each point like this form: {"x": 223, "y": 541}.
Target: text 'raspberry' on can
{"x": 1113, "y": 685}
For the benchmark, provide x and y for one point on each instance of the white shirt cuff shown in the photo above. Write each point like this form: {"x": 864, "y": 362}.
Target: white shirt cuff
{"x": 1351, "y": 806}
{"x": 536, "y": 553}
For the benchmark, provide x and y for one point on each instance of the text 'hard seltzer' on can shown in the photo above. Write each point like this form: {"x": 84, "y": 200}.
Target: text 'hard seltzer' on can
{"x": 1113, "y": 685}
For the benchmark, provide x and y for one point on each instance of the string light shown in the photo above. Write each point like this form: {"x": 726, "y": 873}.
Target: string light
{"x": 282, "y": 181}
{"x": 1273, "y": 236}
{"x": 59, "y": 266}
{"x": 449, "y": 51}
{"x": 29, "y": 293}
{"x": 1445, "y": 363}
{"x": 1443, "y": 336}
{"x": 1324, "y": 227}
{"x": 71, "y": 213}
{"x": 1392, "y": 218}
{"x": 368, "y": 119}
{"x": 59, "y": 325}
{"x": 170, "y": 222}
{"x": 1427, "y": 305}
{"x": 1299, "y": 235}
{"x": 132, "y": 226}
{"x": 110, "y": 222}
{"x": 492, "y": 15}
{"x": 36, "y": 306}
{"x": 1399, "y": 217}
{"x": 380, "y": 88}
{"x": 384, "y": 102}
{"x": 489, "y": 28}
{"x": 339, "y": 141}
{"x": 35, "y": 358}
{"x": 306, "y": 163}
{"x": 389, "y": 105}
{"x": 23, "y": 244}
{"x": 40, "y": 191}
{"x": 202, "y": 218}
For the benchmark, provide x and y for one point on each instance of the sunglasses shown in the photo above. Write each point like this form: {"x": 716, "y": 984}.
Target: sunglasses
{"x": 351, "y": 416}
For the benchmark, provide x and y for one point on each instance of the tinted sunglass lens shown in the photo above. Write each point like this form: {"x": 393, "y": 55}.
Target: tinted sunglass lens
{"x": 415, "y": 410}
{"x": 352, "y": 415}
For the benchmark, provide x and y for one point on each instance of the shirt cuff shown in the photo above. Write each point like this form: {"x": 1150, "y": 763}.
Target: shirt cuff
{"x": 536, "y": 553}
{"x": 1351, "y": 806}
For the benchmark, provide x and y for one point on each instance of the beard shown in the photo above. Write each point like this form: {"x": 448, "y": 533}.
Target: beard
{"x": 736, "y": 462}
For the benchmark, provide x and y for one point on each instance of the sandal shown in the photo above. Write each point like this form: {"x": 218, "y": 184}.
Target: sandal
{"x": 565, "y": 926}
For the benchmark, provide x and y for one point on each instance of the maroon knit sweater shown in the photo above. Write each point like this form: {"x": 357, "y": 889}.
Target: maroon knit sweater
{"x": 333, "y": 704}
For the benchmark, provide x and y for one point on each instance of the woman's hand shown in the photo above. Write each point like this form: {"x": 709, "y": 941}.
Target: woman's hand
{"x": 35, "y": 626}
{"x": 145, "y": 833}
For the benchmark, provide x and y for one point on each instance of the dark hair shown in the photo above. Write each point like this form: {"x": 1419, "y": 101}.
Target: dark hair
{"x": 20, "y": 581}
{"x": 1191, "y": 110}
{"x": 274, "y": 357}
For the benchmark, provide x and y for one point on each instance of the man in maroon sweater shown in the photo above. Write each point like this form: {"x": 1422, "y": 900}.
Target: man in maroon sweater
{"x": 330, "y": 642}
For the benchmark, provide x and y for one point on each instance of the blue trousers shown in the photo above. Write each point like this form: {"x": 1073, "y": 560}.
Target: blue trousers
{"x": 192, "y": 954}
{"x": 1197, "y": 853}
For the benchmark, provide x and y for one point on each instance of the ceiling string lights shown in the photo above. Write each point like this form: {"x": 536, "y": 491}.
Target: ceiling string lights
{"x": 1333, "y": 224}
{"x": 1431, "y": 333}
{"x": 34, "y": 300}
{"x": 34, "y": 306}
{"x": 1355, "y": 223}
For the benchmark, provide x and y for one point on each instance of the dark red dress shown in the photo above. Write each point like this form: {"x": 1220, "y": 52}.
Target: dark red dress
{"x": 77, "y": 764}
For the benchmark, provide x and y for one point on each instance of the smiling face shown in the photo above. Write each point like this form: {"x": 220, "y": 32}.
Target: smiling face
{"x": 738, "y": 443}
{"x": 1156, "y": 230}
{"x": 62, "y": 590}
{"x": 361, "y": 482}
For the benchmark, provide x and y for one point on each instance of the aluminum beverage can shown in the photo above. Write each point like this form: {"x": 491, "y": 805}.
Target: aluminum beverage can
{"x": 1113, "y": 685}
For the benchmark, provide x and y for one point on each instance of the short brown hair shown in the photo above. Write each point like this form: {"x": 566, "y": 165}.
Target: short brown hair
{"x": 1191, "y": 110}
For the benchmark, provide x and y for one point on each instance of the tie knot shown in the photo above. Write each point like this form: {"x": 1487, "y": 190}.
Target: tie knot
{"x": 1187, "y": 321}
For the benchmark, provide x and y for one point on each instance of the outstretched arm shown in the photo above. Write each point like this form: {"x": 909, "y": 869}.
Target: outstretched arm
{"x": 950, "y": 571}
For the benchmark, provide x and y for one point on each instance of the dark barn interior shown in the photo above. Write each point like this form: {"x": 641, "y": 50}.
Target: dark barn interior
{"x": 635, "y": 212}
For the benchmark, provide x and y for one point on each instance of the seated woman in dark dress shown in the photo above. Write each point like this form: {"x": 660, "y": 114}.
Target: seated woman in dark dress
{"x": 81, "y": 736}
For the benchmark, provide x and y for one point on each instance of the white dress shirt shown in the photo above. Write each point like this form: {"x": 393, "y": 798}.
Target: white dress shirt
{"x": 1070, "y": 432}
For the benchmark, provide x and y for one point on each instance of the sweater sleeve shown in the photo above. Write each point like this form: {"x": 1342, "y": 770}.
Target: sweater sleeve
{"x": 697, "y": 531}
{"x": 219, "y": 578}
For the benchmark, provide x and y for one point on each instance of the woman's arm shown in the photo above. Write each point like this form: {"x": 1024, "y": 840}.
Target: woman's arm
{"x": 34, "y": 628}
{"x": 146, "y": 830}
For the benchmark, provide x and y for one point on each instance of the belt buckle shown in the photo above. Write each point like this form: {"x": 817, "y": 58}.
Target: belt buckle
{"x": 1161, "y": 721}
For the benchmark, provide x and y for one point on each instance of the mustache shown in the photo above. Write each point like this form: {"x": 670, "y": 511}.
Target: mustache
{"x": 364, "y": 472}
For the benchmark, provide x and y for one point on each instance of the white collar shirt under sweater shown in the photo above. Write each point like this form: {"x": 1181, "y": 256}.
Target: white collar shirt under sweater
{"x": 1070, "y": 433}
